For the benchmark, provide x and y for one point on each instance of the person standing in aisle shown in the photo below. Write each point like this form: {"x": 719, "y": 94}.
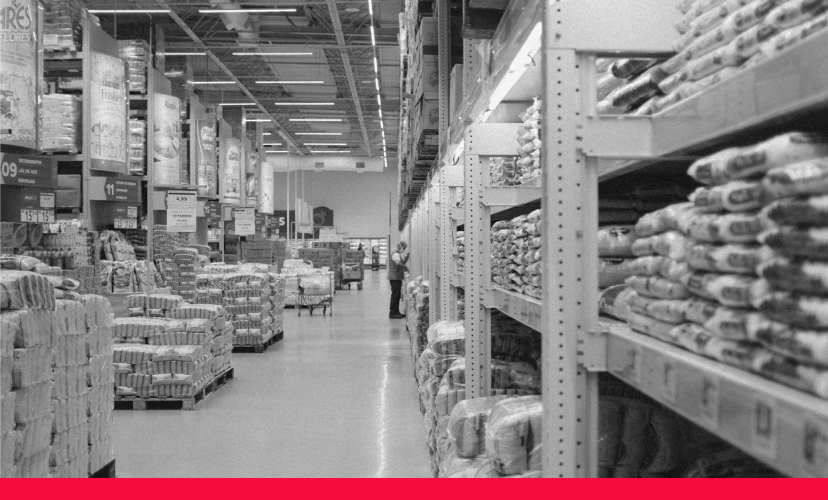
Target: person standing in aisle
{"x": 396, "y": 272}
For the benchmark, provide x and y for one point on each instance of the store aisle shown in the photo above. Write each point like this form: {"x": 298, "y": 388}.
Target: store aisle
{"x": 337, "y": 398}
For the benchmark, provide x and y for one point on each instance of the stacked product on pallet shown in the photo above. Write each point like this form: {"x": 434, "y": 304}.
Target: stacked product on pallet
{"x": 221, "y": 345}
{"x": 503, "y": 171}
{"x": 460, "y": 252}
{"x": 516, "y": 254}
{"x": 528, "y": 164}
{"x": 55, "y": 360}
{"x": 138, "y": 239}
{"x": 63, "y": 25}
{"x": 165, "y": 243}
{"x": 137, "y": 145}
{"x": 717, "y": 40}
{"x": 723, "y": 279}
{"x": 417, "y": 315}
{"x": 155, "y": 305}
{"x": 137, "y": 55}
{"x": 61, "y": 123}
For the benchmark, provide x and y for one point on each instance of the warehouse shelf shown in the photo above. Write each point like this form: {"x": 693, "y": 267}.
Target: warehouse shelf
{"x": 783, "y": 427}
{"x": 62, "y": 56}
{"x": 523, "y": 308}
{"x": 458, "y": 214}
{"x": 510, "y": 196}
{"x": 458, "y": 280}
{"x": 781, "y": 88}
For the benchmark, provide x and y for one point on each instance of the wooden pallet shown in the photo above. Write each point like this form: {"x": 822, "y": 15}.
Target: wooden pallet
{"x": 161, "y": 403}
{"x": 107, "y": 471}
{"x": 260, "y": 348}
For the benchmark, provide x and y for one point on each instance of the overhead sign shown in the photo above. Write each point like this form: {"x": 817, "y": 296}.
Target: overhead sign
{"x": 181, "y": 211}
{"x": 27, "y": 170}
{"x": 166, "y": 138}
{"x": 18, "y": 86}
{"x": 109, "y": 114}
{"x": 206, "y": 157}
{"x": 245, "y": 221}
{"x": 232, "y": 171}
{"x": 266, "y": 188}
{"x": 281, "y": 219}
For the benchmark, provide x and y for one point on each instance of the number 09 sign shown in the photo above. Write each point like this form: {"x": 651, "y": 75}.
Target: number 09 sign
{"x": 181, "y": 211}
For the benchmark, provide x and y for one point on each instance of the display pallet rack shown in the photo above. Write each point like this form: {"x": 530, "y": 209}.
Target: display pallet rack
{"x": 190, "y": 403}
{"x": 260, "y": 348}
{"x": 105, "y": 472}
{"x": 548, "y": 49}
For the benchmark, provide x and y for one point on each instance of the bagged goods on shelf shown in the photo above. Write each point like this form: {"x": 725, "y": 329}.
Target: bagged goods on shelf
{"x": 796, "y": 275}
{"x": 743, "y": 227}
{"x": 467, "y": 425}
{"x": 808, "y": 243}
{"x": 528, "y": 164}
{"x": 661, "y": 220}
{"x": 63, "y": 25}
{"x": 805, "y": 346}
{"x": 792, "y": 373}
{"x": 25, "y": 290}
{"x": 614, "y": 301}
{"x": 614, "y": 271}
{"x": 616, "y": 241}
{"x": 728, "y": 289}
{"x": 669, "y": 244}
{"x": 803, "y": 311}
{"x": 798, "y": 179}
{"x": 803, "y": 212}
{"x": 513, "y": 435}
{"x": 668, "y": 311}
{"x": 729, "y": 258}
{"x": 657, "y": 287}
{"x": 137, "y": 55}
{"x": 61, "y": 123}
{"x": 735, "y": 196}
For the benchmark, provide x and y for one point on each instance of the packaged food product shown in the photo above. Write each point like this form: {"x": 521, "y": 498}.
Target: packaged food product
{"x": 727, "y": 228}
{"x": 803, "y": 311}
{"x": 810, "y": 243}
{"x": 615, "y": 241}
{"x": 810, "y": 211}
{"x": 796, "y": 12}
{"x": 728, "y": 289}
{"x": 661, "y": 220}
{"x": 613, "y": 271}
{"x": 734, "y": 196}
{"x": 722, "y": 321}
{"x": 792, "y": 373}
{"x": 651, "y": 326}
{"x": 668, "y": 311}
{"x": 729, "y": 258}
{"x": 615, "y": 301}
{"x": 513, "y": 435}
{"x": 669, "y": 244}
{"x": 809, "y": 177}
{"x": 796, "y": 275}
{"x": 658, "y": 288}
{"x": 807, "y": 346}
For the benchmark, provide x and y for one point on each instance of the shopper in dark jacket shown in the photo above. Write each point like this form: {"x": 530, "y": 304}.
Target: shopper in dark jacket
{"x": 396, "y": 273}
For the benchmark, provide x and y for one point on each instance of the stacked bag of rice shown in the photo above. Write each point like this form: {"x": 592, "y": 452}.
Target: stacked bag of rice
{"x": 154, "y": 305}
{"x": 736, "y": 274}
{"x": 719, "y": 38}
{"x": 99, "y": 381}
{"x": 623, "y": 85}
{"x": 248, "y": 301}
{"x": 164, "y": 371}
{"x": 63, "y": 25}
{"x": 516, "y": 254}
{"x": 138, "y": 57}
{"x": 61, "y": 123}
{"x": 137, "y": 146}
{"x": 460, "y": 252}
{"x": 529, "y": 152}
{"x": 221, "y": 345}
{"x": 417, "y": 315}
{"x": 502, "y": 171}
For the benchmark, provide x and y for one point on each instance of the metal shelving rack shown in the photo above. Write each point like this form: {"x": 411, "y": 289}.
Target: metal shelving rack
{"x": 581, "y": 149}
{"x": 783, "y": 427}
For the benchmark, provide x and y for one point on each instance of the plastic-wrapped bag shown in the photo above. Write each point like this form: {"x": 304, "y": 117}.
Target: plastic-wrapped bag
{"x": 615, "y": 241}
{"x": 808, "y": 243}
{"x": 802, "y": 311}
{"x": 728, "y": 228}
{"x": 807, "y": 346}
{"x": 792, "y": 373}
{"x": 796, "y": 275}
{"x": 668, "y": 244}
{"x": 614, "y": 301}
{"x": 798, "y": 179}
{"x": 467, "y": 425}
{"x": 728, "y": 289}
{"x": 810, "y": 211}
{"x": 657, "y": 287}
{"x": 447, "y": 338}
{"x": 614, "y": 271}
{"x": 661, "y": 220}
{"x": 731, "y": 258}
{"x": 514, "y": 435}
{"x": 668, "y": 311}
{"x": 25, "y": 290}
{"x": 735, "y": 196}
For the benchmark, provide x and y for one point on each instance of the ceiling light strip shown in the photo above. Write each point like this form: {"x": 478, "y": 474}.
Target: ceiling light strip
{"x": 376, "y": 79}
{"x": 273, "y": 54}
{"x": 129, "y": 11}
{"x": 287, "y": 82}
{"x": 244, "y": 11}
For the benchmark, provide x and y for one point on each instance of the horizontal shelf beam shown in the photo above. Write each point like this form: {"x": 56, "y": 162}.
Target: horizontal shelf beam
{"x": 521, "y": 307}
{"x": 511, "y": 196}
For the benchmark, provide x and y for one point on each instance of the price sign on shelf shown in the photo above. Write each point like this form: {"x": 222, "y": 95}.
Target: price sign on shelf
{"x": 181, "y": 211}
{"x": 29, "y": 215}
{"x": 126, "y": 224}
{"x": 45, "y": 215}
{"x": 245, "y": 221}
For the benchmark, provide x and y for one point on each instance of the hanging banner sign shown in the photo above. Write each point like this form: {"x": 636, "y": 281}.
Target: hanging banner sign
{"x": 166, "y": 139}
{"x": 27, "y": 170}
{"x": 232, "y": 171}
{"x": 206, "y": 157}
{"x": 109, "y": 97}
{"x": 245, "y": 221}
{"x": 252, "y": 179}
{"x": 18, "y": 80}
{"x": 266, "y": 204}
{"x": 181, "y": 211}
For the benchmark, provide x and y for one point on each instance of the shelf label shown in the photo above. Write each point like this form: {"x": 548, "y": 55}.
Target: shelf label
{"x": 29, "y": 215}
{"x": 709, "y": 403}
{"x": 47, "y": 200}
{"x": 815, "y": 448}
{"x": 181, "y": 211}
{"x": 45, "y": 215}
{"x": 245, "y": 221}
{"x": 132, "y": 212}
{"x": 27, "y": 170}
{"x": 126, "y": 224}
{"x": 669, "y": 382}
{"x": 765, "y": 426}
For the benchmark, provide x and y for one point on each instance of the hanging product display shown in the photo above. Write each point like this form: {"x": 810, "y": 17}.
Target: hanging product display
{"x": 166, "y": 148}
{"x": 232, "y": 173}
{"x": 109, "y": 114}
{"x": 206, "y": 157}
{"x": 251, "y": 178}
{"x": 266, "y": 194}
{"x": 18, "y": 80}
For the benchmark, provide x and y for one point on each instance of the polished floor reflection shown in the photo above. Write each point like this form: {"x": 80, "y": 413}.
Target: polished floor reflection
{"x": 337, "y": 398}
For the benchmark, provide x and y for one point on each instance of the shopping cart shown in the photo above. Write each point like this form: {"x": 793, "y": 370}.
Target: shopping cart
{"x": 316, "y": 290}
{"x": 352, "y": 273}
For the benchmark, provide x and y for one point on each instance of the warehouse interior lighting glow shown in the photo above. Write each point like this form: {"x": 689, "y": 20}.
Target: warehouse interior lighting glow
{"x": 326, "y": 144}
{"x": 267, "y": 133}
{"x": 273, "y": 54}
{"x": 304, "y": 104}
{"x": 376, "y": 79}
{"x": 315, "y": 119}
{"x": 288, "y": 82}
{"x": 269, "y": 144}
{"x": 171, "y": 54}
{"x": 237, "y": 104}
{"x": 243, "y": 11}
{"x": 129, "y": 11}
{"x": 277, "y": 151}
{"x": 257, "y": 120}
{"x": 318, "y": 133}
{"x": 214, "y": 83}
{"x": 332, "y": 151}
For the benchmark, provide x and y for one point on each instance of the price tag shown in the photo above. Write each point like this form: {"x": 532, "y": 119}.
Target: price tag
{"x": 709, "y": 404}
{"x": 132, "y": 212}
{"x": 126, "y": 224}
{"x": 181, "y": 211}
{"x": 245, "y": 221}
{"x": 28, "y": 215}
{"x": 669, "y": 381}
{"x": 764, "y": 430}
{"x": 45, "y": 215}
{"x": 47, "y": 200}
{"x": 815, "y": 448}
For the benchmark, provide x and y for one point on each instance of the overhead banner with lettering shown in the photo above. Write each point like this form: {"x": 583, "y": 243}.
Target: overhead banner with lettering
{"x": 232, "y": 171}
{"x": 18, "y": 78}
{"x": 109, "y": 108}
{"x": 166, "y": 147}
{"x": 252, "y": 179}
{"x": 206, "y": 157}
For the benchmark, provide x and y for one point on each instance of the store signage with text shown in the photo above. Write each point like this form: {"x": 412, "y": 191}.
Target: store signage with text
{"x": 27, "y": 170}
{"x": 245, "y": 221}
{"x": 181, "y": 211}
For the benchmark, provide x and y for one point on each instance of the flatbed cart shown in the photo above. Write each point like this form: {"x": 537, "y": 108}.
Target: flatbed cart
{"x": 352, "y": 273}
{"x": 316, "y": 290}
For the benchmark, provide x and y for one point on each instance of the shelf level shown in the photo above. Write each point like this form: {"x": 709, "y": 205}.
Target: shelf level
{"x": 783, "y": 427}
{"x": 458, "y": 280}
{"x": 521, "y": 307}
{"x": 511, "y": 196}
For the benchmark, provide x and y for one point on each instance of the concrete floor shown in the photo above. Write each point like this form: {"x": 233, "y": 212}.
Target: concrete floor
{"x": 336, "y": 398}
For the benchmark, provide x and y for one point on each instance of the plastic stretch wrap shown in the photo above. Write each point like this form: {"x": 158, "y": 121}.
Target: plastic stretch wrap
{"x": 514, "y": 435}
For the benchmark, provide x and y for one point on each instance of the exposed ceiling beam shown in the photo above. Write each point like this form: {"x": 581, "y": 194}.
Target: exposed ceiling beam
{"x": 180, "y": 22}
{"x": 346, "y": 62}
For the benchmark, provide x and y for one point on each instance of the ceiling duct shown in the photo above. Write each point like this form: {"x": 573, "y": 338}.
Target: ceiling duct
{"x": 241, "y": 23}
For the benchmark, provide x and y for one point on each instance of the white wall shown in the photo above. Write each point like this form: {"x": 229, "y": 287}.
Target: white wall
{"x": 359, "y": 201}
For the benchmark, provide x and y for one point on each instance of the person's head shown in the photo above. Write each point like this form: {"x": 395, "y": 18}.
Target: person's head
{"x": 401, "y": 246}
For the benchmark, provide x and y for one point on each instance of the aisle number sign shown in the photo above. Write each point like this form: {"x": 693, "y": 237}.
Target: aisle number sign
{"x": 181, "y": 211}
{"x": 27, "y": 171}
{"x": 245, "y": 221}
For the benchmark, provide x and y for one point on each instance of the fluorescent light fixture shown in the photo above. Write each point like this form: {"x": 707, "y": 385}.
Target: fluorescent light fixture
{"x": 318, "y": 133}
{"x": 174, "y": 73}
{"x": 304, "y": 103}
{"x": 371, "y": 7}
{"x": 289, "y": 82}
{"x": 270, "y": 144}
{"x": 237, "y": 104}
{"x": 376, "y": 84}
{"x": 379, "y": 100}
{"x": 267, "y": 133}
{"x": 352, "y": 9}
{"x": 184, "y": 54}
{"x": 273, "y": 54}
{"x": 315, "y": 119}
{"x": 129, "y": 11}
{"x": 333, "y": 151}
{"x": 214, "y": 83}
{"x": 258, "y": 120}
{"x": 376, "y": 65}
{"x": 373, "y": 37}
{"x": 243, "y": 11}
{"x": 277, "y": 151}
{"x": 326, "y": 144}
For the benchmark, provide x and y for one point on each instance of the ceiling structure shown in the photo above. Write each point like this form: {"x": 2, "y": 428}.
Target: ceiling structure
{"x": 315, "y": 60}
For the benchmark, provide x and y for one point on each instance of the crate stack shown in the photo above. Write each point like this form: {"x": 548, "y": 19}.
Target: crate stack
{"x": 63, "y": 25}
